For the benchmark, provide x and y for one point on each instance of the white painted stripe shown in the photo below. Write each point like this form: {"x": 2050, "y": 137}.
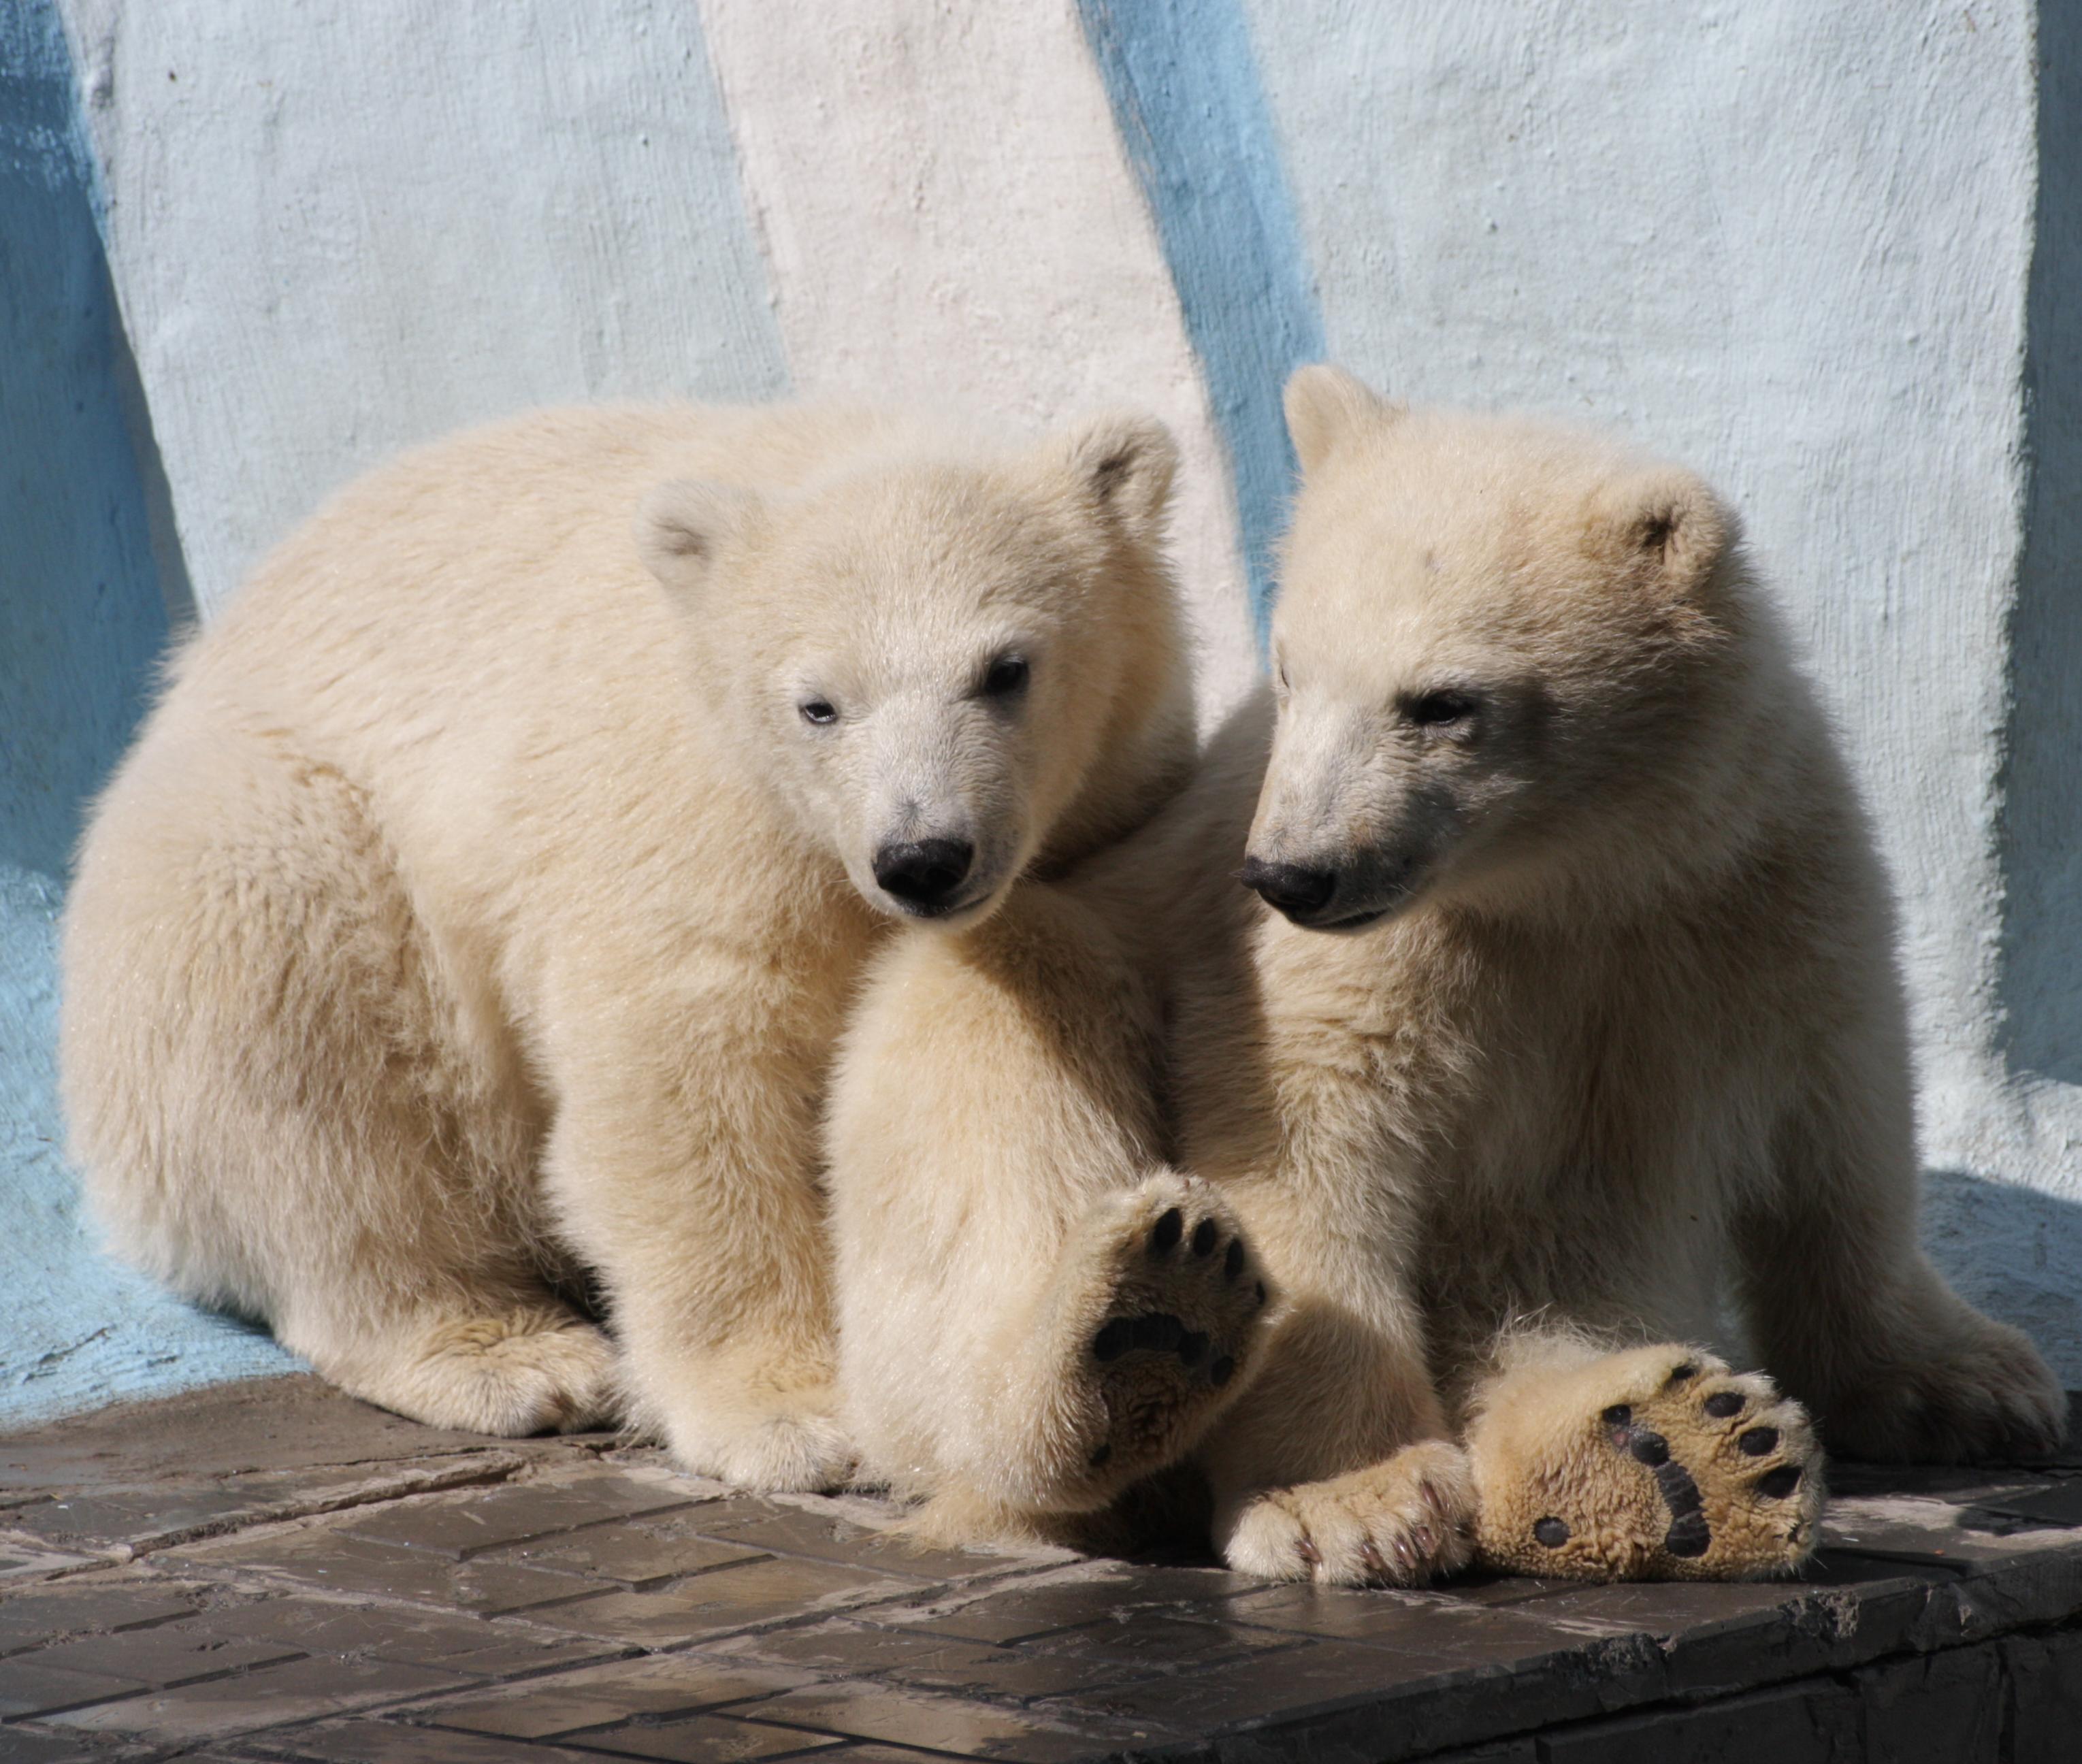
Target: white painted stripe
{"x": 336, "y": 229}
{"x": 949, "y": 219}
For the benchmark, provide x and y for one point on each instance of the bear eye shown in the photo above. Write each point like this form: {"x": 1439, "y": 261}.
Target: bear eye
{"x": 1433, "y": 709}
{"x": 1008, "y": 675}
{"x": 819, "y": 711}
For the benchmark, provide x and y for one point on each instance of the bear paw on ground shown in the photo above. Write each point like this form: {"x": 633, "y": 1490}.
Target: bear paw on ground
{"x": 1402, "y": 1523}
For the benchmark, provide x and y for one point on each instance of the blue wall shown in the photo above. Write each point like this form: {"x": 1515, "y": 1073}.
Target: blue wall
{"x": 1184, "y": 86}
{"x": 2042, "y": 828}
{"x": 83, "y": 617}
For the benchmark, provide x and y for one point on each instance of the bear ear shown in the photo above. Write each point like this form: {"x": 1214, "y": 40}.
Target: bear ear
{"x": 1666, "y": 523}
{"x": 1123, "y": 464}
{"x": 1326, "y": 405}
{"x": 682, "y": 527}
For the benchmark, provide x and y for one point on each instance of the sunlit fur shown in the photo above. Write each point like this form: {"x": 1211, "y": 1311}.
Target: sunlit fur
{"x": 478, "y": 910}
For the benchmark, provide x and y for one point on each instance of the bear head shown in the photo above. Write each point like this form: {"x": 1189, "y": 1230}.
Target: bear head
{"x": 945, "y": 666}
{"x": 1509, "y": 657}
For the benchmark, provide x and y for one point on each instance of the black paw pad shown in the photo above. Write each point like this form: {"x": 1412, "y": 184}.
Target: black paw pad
{"x": 1680, "y": 1375}
{"x": 1192, "y": 1346}
{"x": 1159, "y": 1332}
{"x": 1102, "y": 1454}
{"x": 1688, "y": 1536}
{"x": 1551, "y": 1533}
{"x": 1650, "y": 1449}
{"x": 1114, "y": 1340}
{"x": 1776, "y": 1484}
{"x": 1232, "y": 1262}
{"x": 1723, "y": 1404}
{"x": 1222, "y": 1370}
{"x": 1757, "y": 1441}
{"x": 1261, "y": 1292}
{"x": 1206, "y": 1234}
{"x": 1166, "y": 1232}
{"x": 1688, "y": 1533}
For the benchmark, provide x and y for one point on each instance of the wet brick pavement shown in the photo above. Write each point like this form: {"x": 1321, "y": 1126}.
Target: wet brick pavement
{"x": 273, "y": 1572}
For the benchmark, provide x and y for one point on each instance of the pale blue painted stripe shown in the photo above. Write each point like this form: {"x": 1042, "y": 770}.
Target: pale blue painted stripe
{"x": 84, "y": 615}
{"x": 1184, "y": 86}
{"x": 82, "y": 619}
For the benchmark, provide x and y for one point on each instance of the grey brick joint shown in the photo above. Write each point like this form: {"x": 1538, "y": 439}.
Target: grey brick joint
{"x": 273, "y": 1572}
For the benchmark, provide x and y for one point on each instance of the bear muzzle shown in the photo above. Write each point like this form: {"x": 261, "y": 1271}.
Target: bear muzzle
{"x": 923, "y": 876}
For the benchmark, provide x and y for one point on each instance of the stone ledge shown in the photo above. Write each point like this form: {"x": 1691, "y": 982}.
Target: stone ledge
{"x": 275, "y": 1572}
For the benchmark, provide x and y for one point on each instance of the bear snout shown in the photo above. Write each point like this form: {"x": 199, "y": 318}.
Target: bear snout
{"x": 1297, "y": 890}
{"x": 924, "y": 874}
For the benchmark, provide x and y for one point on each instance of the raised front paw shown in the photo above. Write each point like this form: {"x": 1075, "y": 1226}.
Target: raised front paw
{"x": 1165, "y": 1303}
{"x": 1401, "y": 1522}
{"x": 1655, "y": 1464}
{"x": 1981, "y": 1395}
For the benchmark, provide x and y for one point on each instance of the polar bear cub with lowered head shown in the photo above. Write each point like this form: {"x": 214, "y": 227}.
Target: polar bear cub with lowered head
{"x": 478, "y": 909}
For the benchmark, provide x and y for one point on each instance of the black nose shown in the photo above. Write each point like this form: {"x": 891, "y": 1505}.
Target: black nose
{"x": 1293, "y": 888}
{"x": 924, "y": 872}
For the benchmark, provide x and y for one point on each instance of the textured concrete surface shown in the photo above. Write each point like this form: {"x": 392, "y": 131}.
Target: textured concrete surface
{"x": 1184, "y": 83}
{"x": 339, "y": 228}
{"x": 248, "y": 249}
{"x": 274, "y": 1572}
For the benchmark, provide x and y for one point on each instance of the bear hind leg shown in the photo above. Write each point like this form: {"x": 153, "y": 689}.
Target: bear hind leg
{"x": 510, "y": 1367}
{"x": 282, "y": 1104}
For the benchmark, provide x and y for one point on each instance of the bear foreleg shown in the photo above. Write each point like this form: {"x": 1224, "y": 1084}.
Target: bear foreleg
{"x": 1034, "y": 1313}
{"x": 682, "y": 1165}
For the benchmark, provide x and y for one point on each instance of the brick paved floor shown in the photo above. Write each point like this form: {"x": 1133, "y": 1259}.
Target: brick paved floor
{"x": 273, "y": 1572}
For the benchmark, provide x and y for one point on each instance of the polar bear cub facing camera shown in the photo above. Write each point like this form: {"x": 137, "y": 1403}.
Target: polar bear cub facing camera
{"x": 480, "y": 906}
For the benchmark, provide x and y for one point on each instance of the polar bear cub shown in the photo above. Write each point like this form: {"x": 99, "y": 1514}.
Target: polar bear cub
{"x": 478, "y": 909}
{"x": 1578, "y": 1004}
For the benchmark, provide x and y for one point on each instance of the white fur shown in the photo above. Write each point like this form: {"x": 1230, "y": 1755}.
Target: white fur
{"x": 477, "y": 909}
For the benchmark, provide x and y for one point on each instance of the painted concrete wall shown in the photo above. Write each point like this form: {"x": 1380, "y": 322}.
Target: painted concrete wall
{"x": 339, "y": 228}
{"x": 1830, "y": 254}
{"x": 83, "y": 615}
